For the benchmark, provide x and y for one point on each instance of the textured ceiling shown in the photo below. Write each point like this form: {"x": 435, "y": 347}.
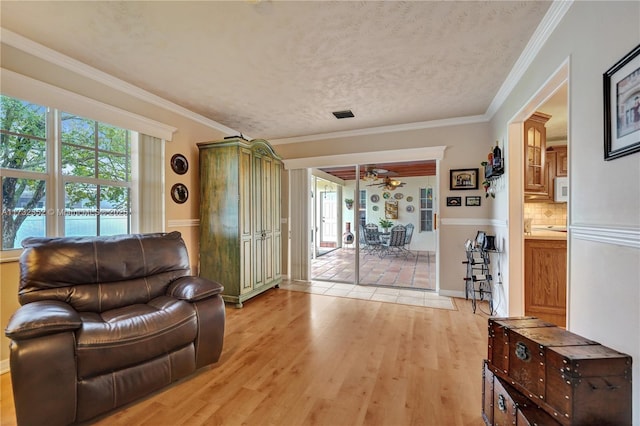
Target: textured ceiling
{"x": 278, "y": 69}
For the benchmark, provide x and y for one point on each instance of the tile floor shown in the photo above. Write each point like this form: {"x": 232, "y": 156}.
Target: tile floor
{"x": 401, "y": 296}
{"x": 416, "y": 271}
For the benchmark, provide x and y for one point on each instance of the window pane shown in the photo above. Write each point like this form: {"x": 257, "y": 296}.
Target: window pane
{"x": 22, "y": 117}
{"x": 81, "y": 214}
{"x": 23, "y": 210}
{"x": 114, "y": 210}
{"x": 426, "y": 209}
{"x": 78, "y": 161}
{"x": 22, "y": 135}
{"x": 77, "y": 130}
{"x": 23, "y": 153}
{"x": 112, "y": 167}
{"x": 113, "y": 139}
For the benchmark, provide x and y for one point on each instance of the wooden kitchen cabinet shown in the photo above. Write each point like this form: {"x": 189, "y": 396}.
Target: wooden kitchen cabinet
{"x": 535, "y": 145}
{"x": 549, "y": 173}
{"x": 545, "y": 280}
{"x": 562, "y": 166}
{"x": 240, "y": 231}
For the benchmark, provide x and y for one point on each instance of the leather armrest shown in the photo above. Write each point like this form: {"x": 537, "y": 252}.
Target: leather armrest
{"x": 41, "y": 318}
{"x": 193, "y": 288}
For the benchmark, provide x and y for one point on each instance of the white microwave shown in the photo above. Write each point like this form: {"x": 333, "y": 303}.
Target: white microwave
{"x": 561, "y": 190}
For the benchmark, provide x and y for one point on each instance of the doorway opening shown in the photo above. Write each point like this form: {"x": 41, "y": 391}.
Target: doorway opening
{"x": 385, "y": 219}
{"x": 550, "y": 213}
{"x": 326, "y": 214}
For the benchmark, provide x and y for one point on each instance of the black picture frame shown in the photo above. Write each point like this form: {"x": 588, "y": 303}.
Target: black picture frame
{"x": 454, "y": 201}
{"x": 179, "y": 193}
{"x": 179, "y": 164}
{"x": 473, "y": 201}
{"x": 462, "y": 179}
{"x": 621, "y": 84}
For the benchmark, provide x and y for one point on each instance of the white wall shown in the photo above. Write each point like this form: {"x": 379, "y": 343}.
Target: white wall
{"x": 604, "y": 206}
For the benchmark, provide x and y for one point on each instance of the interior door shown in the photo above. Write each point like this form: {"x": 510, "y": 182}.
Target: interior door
{"x": 328, "y": 217}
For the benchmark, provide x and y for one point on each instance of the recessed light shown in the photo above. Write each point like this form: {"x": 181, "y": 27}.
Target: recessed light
{"x": 343, "y": 114}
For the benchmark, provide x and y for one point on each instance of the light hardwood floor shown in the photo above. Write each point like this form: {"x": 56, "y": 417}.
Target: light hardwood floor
{"x": 293, "y": 358}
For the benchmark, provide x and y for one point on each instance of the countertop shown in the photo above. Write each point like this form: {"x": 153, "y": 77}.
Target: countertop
{"x": 537, "y": 234}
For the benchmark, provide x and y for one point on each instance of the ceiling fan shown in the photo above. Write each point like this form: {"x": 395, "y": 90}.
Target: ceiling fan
{"x": 382, "y": 178}
{"x": 388, "y": 183}
{"x": 372, "y": 173}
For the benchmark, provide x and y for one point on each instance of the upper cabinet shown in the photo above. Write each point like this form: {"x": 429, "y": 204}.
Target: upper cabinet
{"x": 536, "y": 181}
{"x": 561, "y": 160}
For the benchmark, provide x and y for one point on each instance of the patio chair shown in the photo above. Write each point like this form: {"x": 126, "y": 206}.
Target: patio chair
{"x": 372, "y": 238}
{"x": 407, "y": 239}
{"x": 395, "y": 243}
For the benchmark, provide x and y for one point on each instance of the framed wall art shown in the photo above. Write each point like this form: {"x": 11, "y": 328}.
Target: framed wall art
{"x": 391, "y": 209}
{"x": 179, "y": 164}
{"x": 179, "y": 193}
{"x": 472, "y": 201}
{"x": 463, "y": 179}
{"x": 454, "y": 201}
{"x": 622, "y": 107}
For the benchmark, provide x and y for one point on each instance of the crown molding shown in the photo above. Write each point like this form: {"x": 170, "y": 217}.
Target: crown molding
{"x": 382, "y": 129}
{"x": 549, "y": 22}
{"x": 49, "y": 55}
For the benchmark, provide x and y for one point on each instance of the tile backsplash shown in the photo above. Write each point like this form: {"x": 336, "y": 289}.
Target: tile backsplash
{"x": 546, "y": 213}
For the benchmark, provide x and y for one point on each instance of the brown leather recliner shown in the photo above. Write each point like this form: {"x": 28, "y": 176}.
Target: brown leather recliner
{"x": 107, "y": 320}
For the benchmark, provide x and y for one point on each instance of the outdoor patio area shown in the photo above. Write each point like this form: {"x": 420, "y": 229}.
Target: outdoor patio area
{"x": 416, "y": 271}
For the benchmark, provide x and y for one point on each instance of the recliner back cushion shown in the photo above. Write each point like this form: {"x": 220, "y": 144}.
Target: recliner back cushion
{"x": 101, "y": 273}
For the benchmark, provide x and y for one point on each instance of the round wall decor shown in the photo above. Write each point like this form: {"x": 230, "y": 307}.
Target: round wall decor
{"x": 179, "y": 193}
{"x": 409, "y": 199}
{"x": 410, "y": 209}
{"x": 375, "y": 198}
{"x": 179, "y": 164}
{"x": 374, "y": 208}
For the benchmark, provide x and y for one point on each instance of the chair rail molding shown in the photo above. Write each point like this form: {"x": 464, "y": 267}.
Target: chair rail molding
{"x": 627, "y": 236}
{"x": 469, "y": 221}
{"x": 183, "y": 223}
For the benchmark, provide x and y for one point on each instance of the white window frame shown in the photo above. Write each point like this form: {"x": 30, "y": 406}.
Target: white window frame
{"x": 55, "y": 180}
{"x": 426, "y": 209}
{"x": 37, "y": 92}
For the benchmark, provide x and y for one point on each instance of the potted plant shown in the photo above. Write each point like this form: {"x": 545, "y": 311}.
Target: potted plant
{"x": 385, "y": 224}
{"x": 349, "y": 203}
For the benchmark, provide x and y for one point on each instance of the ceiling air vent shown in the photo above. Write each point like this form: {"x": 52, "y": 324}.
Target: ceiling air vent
{"x": 343, "y": 114}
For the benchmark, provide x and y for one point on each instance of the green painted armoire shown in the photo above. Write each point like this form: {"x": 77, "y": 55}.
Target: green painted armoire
{"x": 240, "y": 233}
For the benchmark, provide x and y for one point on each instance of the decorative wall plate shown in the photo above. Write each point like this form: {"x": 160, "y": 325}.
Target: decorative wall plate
{"x": 179, "y": 164}
{"x": 179, "y": 193}
{"x": 375, "y": 198}
{"x": 374, "y": 208}
{"x": 410, "y": 209}
{"x": 398, "y": 195}
{"x": 386, "y": 195}
{"x": 409, "y": 199}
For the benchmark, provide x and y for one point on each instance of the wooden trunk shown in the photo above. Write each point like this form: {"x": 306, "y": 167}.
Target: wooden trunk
{"x": 498, "y": 349}
{"x": 504, "y": 405}
{"x": 574, "y": 379}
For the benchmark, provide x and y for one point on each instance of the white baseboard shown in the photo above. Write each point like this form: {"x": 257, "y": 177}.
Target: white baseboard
{"x": 451, "y": 293}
